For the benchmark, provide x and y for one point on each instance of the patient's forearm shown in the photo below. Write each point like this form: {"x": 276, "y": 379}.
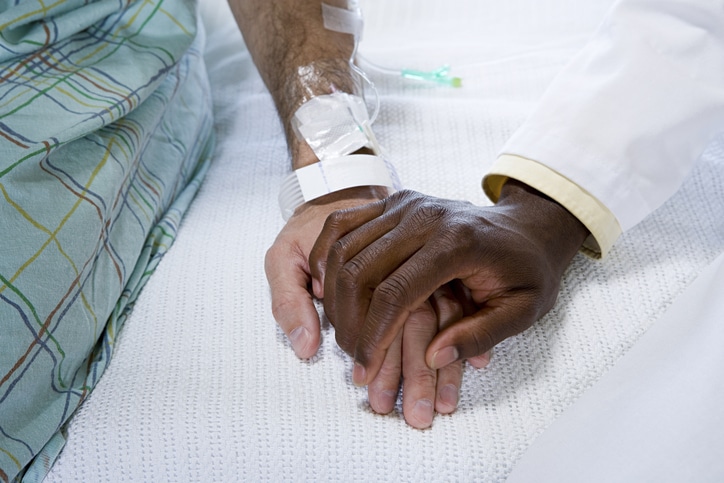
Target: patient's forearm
{"x": 296, "y": 56}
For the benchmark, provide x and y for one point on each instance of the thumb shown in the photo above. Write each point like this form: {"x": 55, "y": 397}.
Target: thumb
{"x": 476, "y": 335}
{"x": 292, "y": 304}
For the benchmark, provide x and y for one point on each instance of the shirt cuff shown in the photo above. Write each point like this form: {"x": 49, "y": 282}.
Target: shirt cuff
{"x": 596, "y": 217}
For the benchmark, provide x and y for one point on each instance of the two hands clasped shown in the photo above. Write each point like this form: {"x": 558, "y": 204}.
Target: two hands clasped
{"x": 415, "y": 285}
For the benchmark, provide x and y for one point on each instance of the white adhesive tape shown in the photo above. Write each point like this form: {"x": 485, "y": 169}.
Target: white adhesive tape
{"x": 343, "y": 20}
{"x": 334, "y": 125}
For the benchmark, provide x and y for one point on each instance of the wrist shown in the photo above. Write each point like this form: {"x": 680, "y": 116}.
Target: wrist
{"x": 343, "y": 199}
{"x": 302, "y": 155}
{"x": 335, "y": 149}
{"x": 555, "y": 226}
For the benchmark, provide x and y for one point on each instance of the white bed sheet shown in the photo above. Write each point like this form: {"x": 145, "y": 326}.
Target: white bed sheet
{"x": 657, "y": 415}
{"x": 203, "y": 385}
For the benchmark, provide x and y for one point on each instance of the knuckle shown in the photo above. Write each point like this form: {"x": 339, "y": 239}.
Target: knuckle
{"x": 418, "y": 204}
{"x": 405, "y": 195}
{"x": 428, "y": 212}
{"x": 337, "y": 254}
{"x": 391, "y": 293}
{"x": 420, "y": 376}
{"x": 334, "y": 221}
{"x": 432, "y": 206}
{"x": 354, "y": 269}
{"x": 348, "y": 279}
{"x": 423, "y": 315}
{"x": 389, "y": 373}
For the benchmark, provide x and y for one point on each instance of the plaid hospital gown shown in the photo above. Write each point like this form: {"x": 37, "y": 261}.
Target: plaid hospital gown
{"x": 105, "y": 132}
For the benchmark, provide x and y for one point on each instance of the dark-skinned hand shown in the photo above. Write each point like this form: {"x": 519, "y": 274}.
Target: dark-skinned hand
{"x": 373, "y": 265}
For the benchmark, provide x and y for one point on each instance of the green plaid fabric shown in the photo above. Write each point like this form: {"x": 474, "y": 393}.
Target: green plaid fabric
{"x": 105, "y": 132}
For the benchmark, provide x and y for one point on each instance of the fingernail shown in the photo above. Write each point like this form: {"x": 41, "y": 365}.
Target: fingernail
{"x": 386, "y": 401}
{"x": 443, "y": 357}
{"x": 422, "y": 412}
{"x": 481, "y": 361}
{"x": 317, "y": 288}
{"x": 299, "y": 338}
{"x": 359, "y": 374}
{"x": 449, "y": 395}
{"x": 486, "y": 358}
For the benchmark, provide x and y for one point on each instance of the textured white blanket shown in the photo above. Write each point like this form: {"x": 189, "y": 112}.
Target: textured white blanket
{"x": 203, "y": 385}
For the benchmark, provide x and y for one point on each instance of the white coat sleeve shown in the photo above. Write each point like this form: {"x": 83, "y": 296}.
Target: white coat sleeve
{"x": 632, "y": 112}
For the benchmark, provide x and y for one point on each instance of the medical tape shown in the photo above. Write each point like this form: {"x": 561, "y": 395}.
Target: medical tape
{"x": 350, "y": 21}
{"x": 334, "y": 174}
{"x": 343, "y": 20}
{"x": 334, "y": 125}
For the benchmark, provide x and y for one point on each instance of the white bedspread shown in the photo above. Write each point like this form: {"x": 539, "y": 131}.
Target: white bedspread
{"x": 657, "y": 415}
{"x": 203, "y": 385}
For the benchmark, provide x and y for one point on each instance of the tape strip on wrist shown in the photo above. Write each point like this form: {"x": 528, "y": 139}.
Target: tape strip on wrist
{"x": 344, "y": 20}
{"x": 334, "y": 174}
{"x": 334, "y": 125}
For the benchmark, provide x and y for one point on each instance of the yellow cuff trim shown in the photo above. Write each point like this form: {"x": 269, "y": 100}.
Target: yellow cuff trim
{"x": 600, "y": 221}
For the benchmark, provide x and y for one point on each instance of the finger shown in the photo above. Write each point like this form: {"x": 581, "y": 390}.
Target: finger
{"x": 461, "y": 294}
{"x": 419, "y": 381}
{"x": 450, "y": 302}
{"x": 350, "y": 262}
{"x": 351, "y": 283}
{"x": 449, "y": 380}
{"x": 383, "y": 389}
{"x": 337, "y": 225}
{"x": 448, "y": 305}
{"x": 481, "y": 361}
{"x": 407, "y": 287}
{"x": 475, "y": 335}
{"x": 292, "y": 304}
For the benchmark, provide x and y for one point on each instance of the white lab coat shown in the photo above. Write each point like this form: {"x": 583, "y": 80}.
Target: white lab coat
{"x": 632, "y": 112}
